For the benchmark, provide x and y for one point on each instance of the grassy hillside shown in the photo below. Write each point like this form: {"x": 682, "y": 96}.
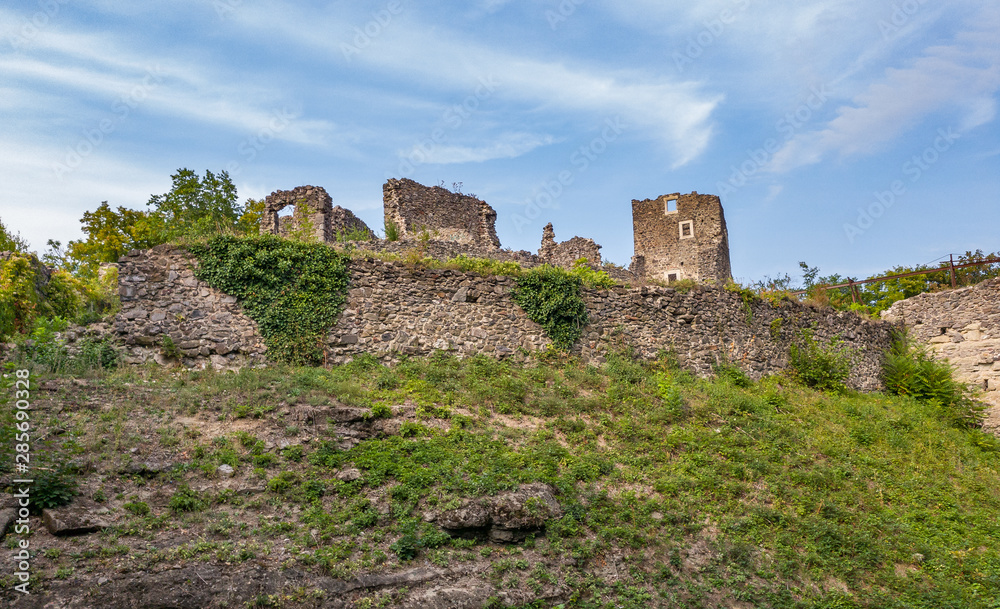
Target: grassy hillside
{"x": 673, "y": 491}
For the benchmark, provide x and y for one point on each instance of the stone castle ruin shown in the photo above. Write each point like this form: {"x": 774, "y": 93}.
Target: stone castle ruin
{"x": 676, "y": 236}
{"x": 395, "y": 309}
{"x": 681, "y": 237}
{"x": 565, "y": 254}
{"x": 446, "y": 216}
{"x": 314, "y": 215}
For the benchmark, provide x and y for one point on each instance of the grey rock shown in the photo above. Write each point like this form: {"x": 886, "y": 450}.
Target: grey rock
{"x": 76, "y": 519}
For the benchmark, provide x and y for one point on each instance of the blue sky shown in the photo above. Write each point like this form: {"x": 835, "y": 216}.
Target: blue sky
{"x": 852, "y": 134}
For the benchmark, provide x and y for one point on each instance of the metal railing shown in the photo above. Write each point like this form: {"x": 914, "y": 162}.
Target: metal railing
{"x": 951, "y": 268}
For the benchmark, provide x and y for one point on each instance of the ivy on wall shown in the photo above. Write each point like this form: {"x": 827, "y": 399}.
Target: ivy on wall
{"x": 551, "y": 298}
{"x": 295, "y": 291}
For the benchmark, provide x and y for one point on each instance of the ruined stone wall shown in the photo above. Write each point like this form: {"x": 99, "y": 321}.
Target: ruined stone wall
{"x": 447, "y": 216}
{"x": 312, "y": 213}
{"x": 684, "y": 240}
{"x": 565, "y": 254}
{"x": 394, "y": 309}
{"x": 160, "y": 296}
{"x": 961, "y": 326}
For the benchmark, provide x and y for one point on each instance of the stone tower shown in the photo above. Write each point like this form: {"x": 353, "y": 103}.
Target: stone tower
{"x": 681, "y": 237}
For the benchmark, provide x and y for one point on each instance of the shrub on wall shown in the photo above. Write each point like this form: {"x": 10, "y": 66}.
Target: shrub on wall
{"x": 825, "y": 368}
{"x": 294, "y": 291}
{"x": 551, "y": 298}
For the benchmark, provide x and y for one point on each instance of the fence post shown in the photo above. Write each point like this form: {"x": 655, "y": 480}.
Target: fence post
{"x": 951, "y": 264}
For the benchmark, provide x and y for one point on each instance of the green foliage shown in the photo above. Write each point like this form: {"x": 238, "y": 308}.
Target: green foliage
{"x": 51, "y": 489}
{"x": 485, "y": 266}
{"x": 822, "y": 367}
{"x": 19, "y": 300}
{"x": 197, "y": 207}
{"x": 293, "y": 290}
{"x": 112, "y": 234}
{"x": 590, "y": 277}
{"x": 380, "y": 411}
{"x": 551, "y": 298}
{"x": 391, "y": 231}
{"x": 910, "y": 370}
{"x": 139, "y": 508}
{"x": 683, "y": 285}
{"x": 29, "y": 292}
{"x": 186, "y": 499}
{"x": 731, "y": 374}
{"x": 11, "y": 242}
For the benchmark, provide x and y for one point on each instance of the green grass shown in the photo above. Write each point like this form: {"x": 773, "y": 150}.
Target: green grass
{"x": 793, "y": 498}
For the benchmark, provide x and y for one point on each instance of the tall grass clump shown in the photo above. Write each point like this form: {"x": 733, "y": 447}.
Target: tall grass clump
{"x": 819, "y": 366}
{"x": 910, "y": 370}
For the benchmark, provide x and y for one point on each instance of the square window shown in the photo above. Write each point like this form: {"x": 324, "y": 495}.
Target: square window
{"x": 686, "y": 229}
{"x": 670, "y": 206}
{"x": 672, "y": 277}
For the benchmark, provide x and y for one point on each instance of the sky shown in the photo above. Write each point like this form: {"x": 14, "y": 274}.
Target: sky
{"x": 855, "y": 135}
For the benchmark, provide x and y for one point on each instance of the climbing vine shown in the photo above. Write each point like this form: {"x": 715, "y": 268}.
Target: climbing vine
{"x": 294, "y": 291}
{"x": 551, "y": 298}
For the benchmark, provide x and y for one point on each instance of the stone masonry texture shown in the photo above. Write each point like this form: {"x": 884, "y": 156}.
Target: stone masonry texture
{"x": 963, "y": 327}
{"x": 394, "y": 309}
{"x": 565, "y": 254}
{"x": 445, "y": 215}
{"x": 681, "y": 237}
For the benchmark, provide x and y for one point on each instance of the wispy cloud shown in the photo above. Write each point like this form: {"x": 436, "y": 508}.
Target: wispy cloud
{"x": 74, "y": 62}
{"x": 960, "y": 79}
{"x": 509, "y": 146}
{"x": 676, "y": 113}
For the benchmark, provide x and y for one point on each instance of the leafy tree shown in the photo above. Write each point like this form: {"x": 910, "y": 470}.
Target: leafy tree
{"x": 11, "y": 242}
{"x": 197, "y": 207}
{"x": 110, "y": 235}
{"x": 249, "y": 222}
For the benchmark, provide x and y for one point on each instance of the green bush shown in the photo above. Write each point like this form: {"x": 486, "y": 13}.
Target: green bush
{"x": 51, "y": 489}
{"x": 590, "y": 277}
{"x": 186, "y": 499}
{"x": 139, "y": 508}
{"x": 551, "y": 298}
{"x": 485, "y": 266}
{"x": 293, "y": 290}
{"x": 825, "y": 368}
{"x": 391, "y": 231}
{"x": 910, "y": 370}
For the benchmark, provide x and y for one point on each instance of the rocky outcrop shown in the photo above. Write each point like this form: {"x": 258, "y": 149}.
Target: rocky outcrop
{"x": 506, "y": 518}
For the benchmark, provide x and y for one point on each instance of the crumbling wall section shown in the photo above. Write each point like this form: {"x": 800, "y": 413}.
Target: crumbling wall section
{"x": 311, "y": 218}
{"x": 681, "y": 237}
{"x": 445, "y": 215}
{"x": 963, "y": 327}
{"x": 343, "y": 223}
{"x": 565, "y": 254}
{"x": 394, "y": 310}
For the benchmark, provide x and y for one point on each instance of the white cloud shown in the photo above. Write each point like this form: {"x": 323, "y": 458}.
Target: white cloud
{"x": 509, "y": 146}
{"x": 676, "y": 113}
{"x": 84, "y": 62}
{"x": 960, "y": 80}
